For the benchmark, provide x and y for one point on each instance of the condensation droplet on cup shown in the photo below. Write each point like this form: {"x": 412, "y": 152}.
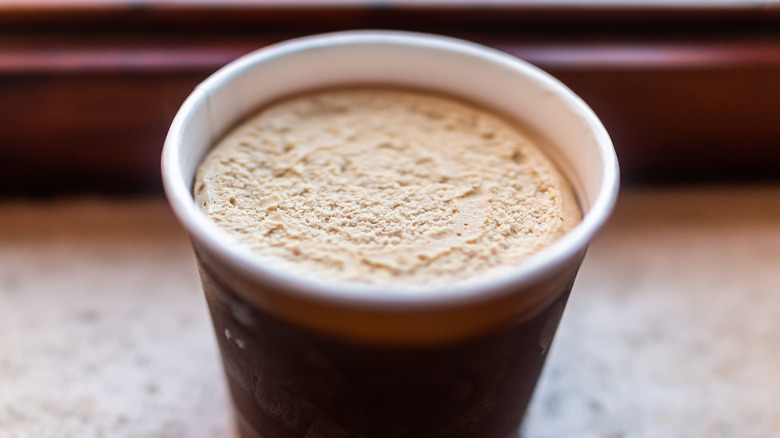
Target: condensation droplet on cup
{"x": 242, "y": 314}
{"x": 240, "y": 342}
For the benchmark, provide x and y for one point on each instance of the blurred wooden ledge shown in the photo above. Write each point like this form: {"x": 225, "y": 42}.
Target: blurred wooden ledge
{"x": 325, "y": 13}
{"x": 689, "y": 91}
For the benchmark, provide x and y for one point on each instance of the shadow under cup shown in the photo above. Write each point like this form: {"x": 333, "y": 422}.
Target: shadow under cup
{"x": 312, "y": 358}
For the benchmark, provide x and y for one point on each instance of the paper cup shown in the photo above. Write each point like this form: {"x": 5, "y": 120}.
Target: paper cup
{"x": 312, "y": 357}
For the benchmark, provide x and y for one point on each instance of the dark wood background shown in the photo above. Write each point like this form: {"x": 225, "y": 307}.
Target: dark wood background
{"x": 89, "y": 88}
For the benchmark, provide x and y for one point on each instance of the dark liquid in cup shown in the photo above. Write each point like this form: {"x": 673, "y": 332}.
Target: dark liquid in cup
{"x": 291, "y": 382}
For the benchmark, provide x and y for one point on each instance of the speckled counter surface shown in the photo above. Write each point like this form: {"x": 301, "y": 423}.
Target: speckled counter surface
{"x": 673, "y": 328}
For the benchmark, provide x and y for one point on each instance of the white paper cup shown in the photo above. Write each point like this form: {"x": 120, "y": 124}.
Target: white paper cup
{"x": 311, "y": 357}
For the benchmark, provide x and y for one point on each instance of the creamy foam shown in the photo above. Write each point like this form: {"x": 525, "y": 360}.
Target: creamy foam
{"x": 384, "y": 186}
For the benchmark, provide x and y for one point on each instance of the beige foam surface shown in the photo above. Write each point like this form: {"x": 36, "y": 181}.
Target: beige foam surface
{"x": 385, "y": 186}
{"x": 671, "y": 330}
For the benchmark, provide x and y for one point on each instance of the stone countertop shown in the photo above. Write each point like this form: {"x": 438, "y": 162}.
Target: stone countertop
{"x": 673, "y": 328}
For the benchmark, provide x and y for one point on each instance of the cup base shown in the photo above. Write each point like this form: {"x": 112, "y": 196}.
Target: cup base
{"x": 245, "y": 430}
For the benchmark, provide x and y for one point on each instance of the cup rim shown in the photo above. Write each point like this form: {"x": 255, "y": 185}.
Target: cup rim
{"x": 479, "y": 287}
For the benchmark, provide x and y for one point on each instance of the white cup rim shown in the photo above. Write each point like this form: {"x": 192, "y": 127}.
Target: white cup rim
{"x": 212, "y": 238}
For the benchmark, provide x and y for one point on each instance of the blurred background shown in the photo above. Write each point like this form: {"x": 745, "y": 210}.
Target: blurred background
{"x": 689, "y": 90}
{"x": 671, "y": 330}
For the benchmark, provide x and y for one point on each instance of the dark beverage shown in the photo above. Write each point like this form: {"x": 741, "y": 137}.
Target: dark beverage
{"x": 287, "y": 381}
